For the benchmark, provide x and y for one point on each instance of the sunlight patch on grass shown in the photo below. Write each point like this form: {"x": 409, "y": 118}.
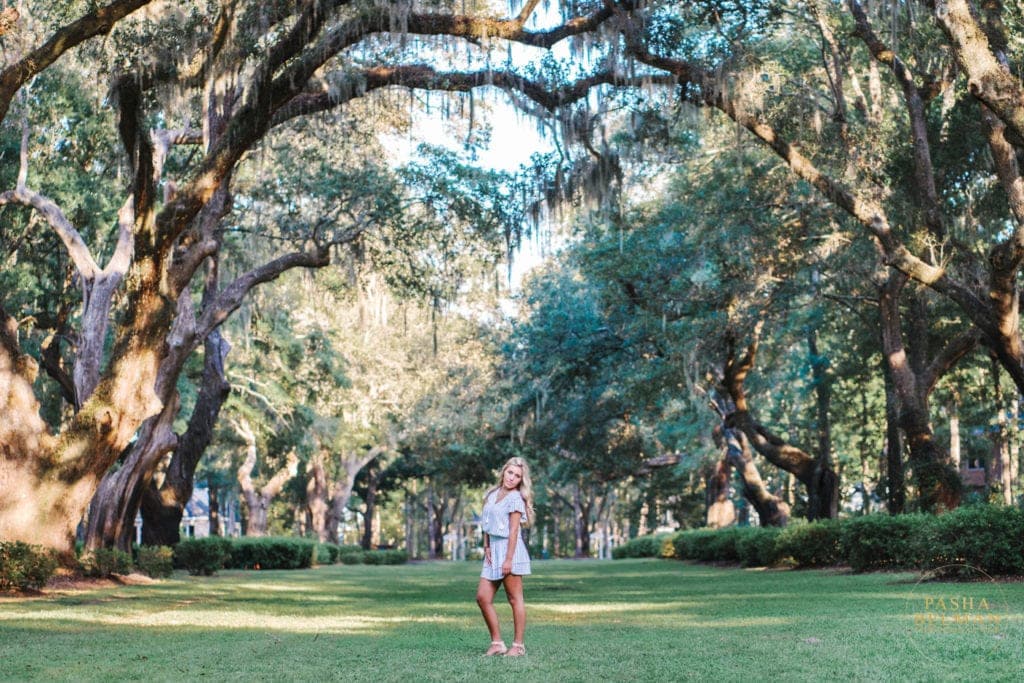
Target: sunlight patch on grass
{"x": 232, "y": 619}
{"x": 605, "y": 607}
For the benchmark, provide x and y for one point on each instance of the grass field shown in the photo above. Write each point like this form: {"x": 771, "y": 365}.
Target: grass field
{"x": 648, "y": 620}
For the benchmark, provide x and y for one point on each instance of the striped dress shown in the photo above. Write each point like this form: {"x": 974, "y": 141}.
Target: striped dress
{"x": 495, "y": 523}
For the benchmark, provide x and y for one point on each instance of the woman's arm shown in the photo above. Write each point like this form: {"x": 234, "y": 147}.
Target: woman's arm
{"x": 487, "y": 548}
{"x": 513, "y": 538}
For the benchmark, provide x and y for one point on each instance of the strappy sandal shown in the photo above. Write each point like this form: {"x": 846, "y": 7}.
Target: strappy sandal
{"x": 517, "y": 650}
{"x": 497, "y": 648}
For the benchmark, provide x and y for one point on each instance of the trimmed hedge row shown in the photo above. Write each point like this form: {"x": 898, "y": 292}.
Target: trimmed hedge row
{"x": 989, "y": 538}
{"x": 204, "y": 556}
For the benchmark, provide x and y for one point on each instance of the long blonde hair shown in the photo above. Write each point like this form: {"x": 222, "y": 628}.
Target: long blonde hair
{"x": 525, "y": 486}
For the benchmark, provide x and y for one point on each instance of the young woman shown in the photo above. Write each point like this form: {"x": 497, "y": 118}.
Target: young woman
{"x": 508, "y": 507}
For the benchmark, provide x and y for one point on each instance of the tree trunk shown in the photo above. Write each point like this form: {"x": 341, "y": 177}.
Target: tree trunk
{"x": 938, "y": 483}
{"x": 163, "y": 506}
{"x": 816, "y": 475}
{"x": 371, "y": 506}
{"x": 823, "y": 491}
{"x": 772, "y": 510}
{"x": 214, "y": 498}
{"x": 257, "y": 501}
{"x": 720, "y": 509}
{"x": 435, "y": 525}
{"x": 896, "y": 485}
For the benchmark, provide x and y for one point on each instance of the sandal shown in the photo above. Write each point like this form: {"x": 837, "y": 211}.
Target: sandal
{"x": 517, "y": 650}
{"x": 497, "y": 648}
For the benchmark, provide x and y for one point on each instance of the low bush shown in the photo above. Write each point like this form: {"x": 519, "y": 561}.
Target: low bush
{"x": 351, "y": 554}
{"x": 106, "y": 561}
{"x": 876, "y": 542}
{"x": 641, "y": 546}
{"x": 756, "y": 547}
{"x": 698, "y": 544}
{"x": 24, "y": 566}
{"x": 985, "y": 537}
{"x": 385, "y": 557}
{"x": 156, "y": 561}
{"x": 811, "y": 545}
{"x": 202, "y": 556}
{"x": 327, "y": 553}
{"x": 271, "y": 552}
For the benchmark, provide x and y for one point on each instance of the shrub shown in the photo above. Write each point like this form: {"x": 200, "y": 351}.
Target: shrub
{"x": 695, "y": 545}
{"x": 641, "y": 546}
{"x": 985, "y": 537}
{"x": 156, "y": 560}
{"x": 203, "y": 556}
{"x": 756, "y": 546}
{"x": 351, "y": 554}
{"x": 24, "y": 566}
{"x": 327, "y": 553}
{"x": 884, "y": 541}
{"x": 106, "y": 561}
{"x": 811, "y": 545}
{"x": 270, "y": 552}
{"x": 392, "y": 556}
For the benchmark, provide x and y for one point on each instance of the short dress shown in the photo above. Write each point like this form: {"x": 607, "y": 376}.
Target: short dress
{"x": 495, "y": 523}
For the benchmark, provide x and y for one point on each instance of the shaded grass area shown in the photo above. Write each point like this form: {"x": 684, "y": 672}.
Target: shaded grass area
{"x": 626, "y": 620}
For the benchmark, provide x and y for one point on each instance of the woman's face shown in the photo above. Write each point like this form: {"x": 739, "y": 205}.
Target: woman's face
{"x": 512, "y": 477}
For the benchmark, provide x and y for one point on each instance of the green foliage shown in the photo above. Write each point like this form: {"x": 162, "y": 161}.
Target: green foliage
{"x": 202, "y": 556}
{"x": 756, "y": 546}
{"x": 24, "y": 566}
{"x": 270, "y": 552}
{"x": 811, "y": 545}
{"x": 985, "y": 537}
{"x": 327, "y": 553}
{"x": 156, "y": 561}
{"x": 884, "y": 541}
{"x": 351, "y": 554}
{"x": 106, "y": 561}
{"x": 641, "y": 546}
{"x": 385, "y": 557}
{"x": 988, "y": 538}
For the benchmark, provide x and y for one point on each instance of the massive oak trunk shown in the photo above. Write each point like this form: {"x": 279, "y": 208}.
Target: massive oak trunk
{"x": 163, "y": 504}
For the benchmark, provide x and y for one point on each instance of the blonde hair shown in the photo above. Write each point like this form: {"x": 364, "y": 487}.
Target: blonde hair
{"x": 525, "y": 487}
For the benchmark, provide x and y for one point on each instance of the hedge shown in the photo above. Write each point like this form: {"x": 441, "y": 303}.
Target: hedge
{"x": 24, "y": 566}
{"x": 271, "y": 552}
{"x": 984, "y": 537}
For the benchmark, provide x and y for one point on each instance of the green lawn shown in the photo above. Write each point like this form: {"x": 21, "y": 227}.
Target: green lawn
{"x": 650, "y": 620}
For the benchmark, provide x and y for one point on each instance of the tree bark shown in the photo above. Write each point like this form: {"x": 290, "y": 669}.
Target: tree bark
{"x": 720, "y": 509}
{"x": 163, "y": 505}
{"x": 818, "y": 477}
{"x": 371, "y": 508}
{"x": 257, "y": 501}
{"x": 938, "y": 483}
{"x": 772, "y": 510}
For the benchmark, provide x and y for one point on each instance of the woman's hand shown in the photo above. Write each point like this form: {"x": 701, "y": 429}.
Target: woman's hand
{"x": 506, "y": 567}
{"x": 487, "y": 555}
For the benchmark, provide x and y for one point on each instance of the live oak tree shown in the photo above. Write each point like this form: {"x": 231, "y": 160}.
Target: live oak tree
{"x": 219, "y": 78}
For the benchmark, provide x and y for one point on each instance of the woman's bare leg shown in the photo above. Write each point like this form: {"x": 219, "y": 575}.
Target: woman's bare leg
{"x": 514, "y": 591}
{"x": 485, "y": 598}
